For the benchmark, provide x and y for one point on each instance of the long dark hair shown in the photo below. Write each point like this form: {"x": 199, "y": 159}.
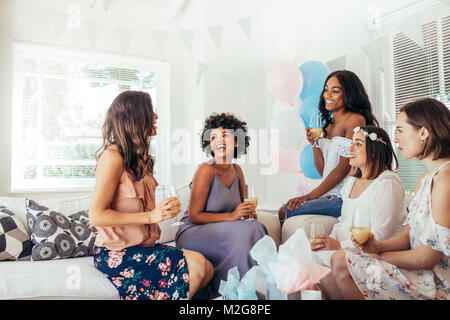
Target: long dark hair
{"x": 354, "y": 95}
{"x": 129, "y": 125}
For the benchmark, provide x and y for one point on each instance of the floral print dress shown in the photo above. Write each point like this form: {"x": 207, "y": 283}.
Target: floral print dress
{"x": 145, "y": 273}
{"x": 377, "y": 279}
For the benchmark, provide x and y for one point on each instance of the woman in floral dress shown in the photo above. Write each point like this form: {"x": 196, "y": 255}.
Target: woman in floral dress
{"x": 123, "y": 210}
{"x": 415, "y": 264}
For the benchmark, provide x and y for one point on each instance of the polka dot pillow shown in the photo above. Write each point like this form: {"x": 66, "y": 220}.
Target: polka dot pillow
{"x": 57, "y": 236}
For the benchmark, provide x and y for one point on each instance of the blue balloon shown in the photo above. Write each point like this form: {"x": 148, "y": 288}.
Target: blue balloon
{"x": 314, "y": 76}
{"x": 307, "y": 163}
{"x": 309, "y": 107}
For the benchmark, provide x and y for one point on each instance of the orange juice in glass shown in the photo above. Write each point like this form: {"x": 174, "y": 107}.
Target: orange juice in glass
{"x": 360, "y": 226}
{"x": 250, "y": 196}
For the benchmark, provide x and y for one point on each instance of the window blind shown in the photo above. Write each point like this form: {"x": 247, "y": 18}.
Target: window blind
{"x": 60, "y": 99}
{"x": 412, "y": 72}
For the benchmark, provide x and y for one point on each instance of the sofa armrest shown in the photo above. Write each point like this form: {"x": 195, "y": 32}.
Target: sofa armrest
{"x": 304, "y": 221}
{"x": 272, "y": 224}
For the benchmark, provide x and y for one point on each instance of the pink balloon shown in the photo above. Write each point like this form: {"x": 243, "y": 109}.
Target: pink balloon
{"x": 286, "y": 158}
{"x": 285, "y": 82}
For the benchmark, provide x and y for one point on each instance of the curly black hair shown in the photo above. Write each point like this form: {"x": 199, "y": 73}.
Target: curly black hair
{"x": 227, "y": 121}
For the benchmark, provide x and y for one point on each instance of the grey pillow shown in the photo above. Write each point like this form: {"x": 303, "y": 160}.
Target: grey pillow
{"x": 56, "y": 236}
{"x": 15, "y": 243}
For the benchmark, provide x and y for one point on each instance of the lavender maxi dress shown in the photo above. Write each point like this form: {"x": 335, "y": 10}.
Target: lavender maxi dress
{"x": 224, "y": 244}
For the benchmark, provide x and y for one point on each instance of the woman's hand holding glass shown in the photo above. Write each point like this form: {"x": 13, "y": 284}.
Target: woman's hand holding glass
{"x": 370, "y": 246}
{"x": 314, "y": 131}
{"x": 244, "y": 210}
{"x": 323, "y": 242}
{"x": 168, "y": 209}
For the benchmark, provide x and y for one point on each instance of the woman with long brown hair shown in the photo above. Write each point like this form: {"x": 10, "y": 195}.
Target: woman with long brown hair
{"x": 123, "y": 210}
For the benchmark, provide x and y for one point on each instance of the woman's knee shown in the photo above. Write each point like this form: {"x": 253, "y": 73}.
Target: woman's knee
{"x": 198, "y": 264}
{"x": 339, "y": 265}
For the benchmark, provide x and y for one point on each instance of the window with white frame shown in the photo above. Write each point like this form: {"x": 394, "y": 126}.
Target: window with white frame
{"x": 60, "y": 99}
{"x": 412, "y": 72}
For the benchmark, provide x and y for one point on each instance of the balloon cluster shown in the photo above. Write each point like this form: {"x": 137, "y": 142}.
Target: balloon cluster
{"x": 297, "y": 90}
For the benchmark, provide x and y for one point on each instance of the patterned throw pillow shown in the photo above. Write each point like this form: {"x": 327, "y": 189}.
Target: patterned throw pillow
{"x": 56, "y": 236}
{"x": 15, "y": 243}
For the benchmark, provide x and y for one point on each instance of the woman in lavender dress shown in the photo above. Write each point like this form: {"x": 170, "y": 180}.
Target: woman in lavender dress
{"x": 213, "y": 224}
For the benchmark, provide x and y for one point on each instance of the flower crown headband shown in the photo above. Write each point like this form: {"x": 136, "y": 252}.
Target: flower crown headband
{"x": 373, "y": 136}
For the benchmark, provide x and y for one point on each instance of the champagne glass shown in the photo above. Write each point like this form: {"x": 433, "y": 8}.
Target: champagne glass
{"x": 250, "y": 196}
{"x": 170, "y": 191}
{"x": 316, "y": 229}
{"x": 315, "y": 124}
{"x": 360, "y": 225}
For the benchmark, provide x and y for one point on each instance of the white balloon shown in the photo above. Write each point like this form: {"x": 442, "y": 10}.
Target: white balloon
{"x": 292, "y": 131}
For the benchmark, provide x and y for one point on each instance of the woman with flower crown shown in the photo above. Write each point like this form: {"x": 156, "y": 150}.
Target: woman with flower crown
{"x": 373, "y": 188}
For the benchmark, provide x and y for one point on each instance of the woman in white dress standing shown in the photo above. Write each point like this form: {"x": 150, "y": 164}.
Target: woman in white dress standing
{"x": 372, "y": 178}
{"x": 415, "y": 264}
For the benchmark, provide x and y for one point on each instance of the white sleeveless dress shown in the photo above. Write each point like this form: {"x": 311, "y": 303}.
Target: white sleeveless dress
{"x": 377, "y": 279}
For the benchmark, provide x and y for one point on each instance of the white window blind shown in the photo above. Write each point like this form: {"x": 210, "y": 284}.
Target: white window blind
{"x": 59, "y": 104}
{"x": 412, "y": 72}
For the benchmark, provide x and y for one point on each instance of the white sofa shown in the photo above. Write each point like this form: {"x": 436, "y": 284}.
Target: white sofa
{"x": 76, "y": 278}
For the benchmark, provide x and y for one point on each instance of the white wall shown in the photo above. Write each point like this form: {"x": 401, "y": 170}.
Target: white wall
{"x": 236, "y": 80}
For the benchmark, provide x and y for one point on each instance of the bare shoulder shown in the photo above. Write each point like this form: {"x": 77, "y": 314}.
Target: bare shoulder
{"x": 205, "y": 172}
{"x": 353, "y": 121}
{"x": 239, "y": 170}
{"x": 110, "y": 158}
{"x": 419, "y": 181}
{"x": 440, "y": 200}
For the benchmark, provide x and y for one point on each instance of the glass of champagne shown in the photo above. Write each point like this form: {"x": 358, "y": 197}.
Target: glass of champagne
{"x": 360, "y": 226}
{"x": 316, "y": 127}
{"x": 170, "y": 191}
{"x": 316, "y": 229}
{"x": 250, "y": 196}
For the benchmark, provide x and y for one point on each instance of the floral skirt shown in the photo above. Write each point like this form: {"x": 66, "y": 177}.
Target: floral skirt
{"x": 145, "y": 273}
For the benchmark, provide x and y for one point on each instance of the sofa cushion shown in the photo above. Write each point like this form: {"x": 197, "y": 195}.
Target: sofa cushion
{"x": 304, "y": 221}
{"x": 63, "y": 279}
{"x": 56, "y": 236}
{"x": 15, "y": 243}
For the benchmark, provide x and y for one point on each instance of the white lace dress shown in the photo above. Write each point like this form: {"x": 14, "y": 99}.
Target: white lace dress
{"x": 332, "y": 150}
{"x": 377, "y": 279}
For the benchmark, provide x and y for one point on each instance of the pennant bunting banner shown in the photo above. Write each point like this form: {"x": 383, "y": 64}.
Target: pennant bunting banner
{"x": 412, "y": 28}
{"x": 374, "y": 50}
{"x": 216, "y": 35}
{"x": 93, "y": 28}
{"x": 246, "y": 26}
{"x": 188, "y": 39}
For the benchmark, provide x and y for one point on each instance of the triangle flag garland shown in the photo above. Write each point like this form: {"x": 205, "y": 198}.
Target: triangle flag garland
{"x": 202, "y": 67}
{"x": 412, "y": 28}
{"x": 59, "y": 23}
{"x": 374, "y": 50}
{"x": 246, "y": 26}
{"x": 188, "y": 38}
{"x": 337, "y": 64}
{"x": 160, "y": 38}
{"x": 93, "y": 28}
{"x": 216, "y": 34}
{"x": 125, "y": 35}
